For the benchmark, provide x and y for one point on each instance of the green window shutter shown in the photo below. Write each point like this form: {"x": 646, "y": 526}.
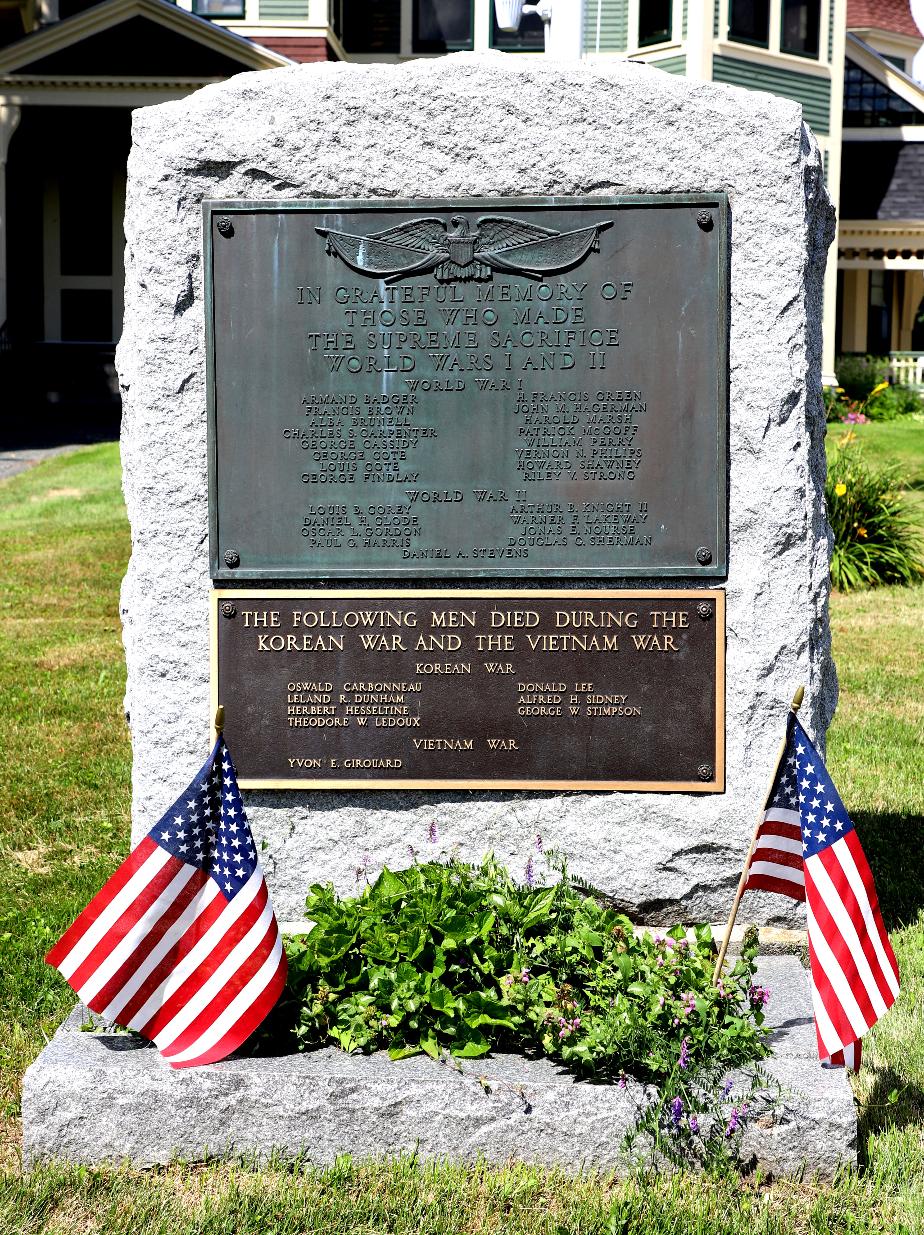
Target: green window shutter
{"x": 814, "y": 93}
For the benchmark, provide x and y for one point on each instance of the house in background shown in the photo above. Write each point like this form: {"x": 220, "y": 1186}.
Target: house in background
{"x": 70, "y": 73}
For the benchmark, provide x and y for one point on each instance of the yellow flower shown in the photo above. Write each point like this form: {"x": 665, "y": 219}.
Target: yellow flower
{"x": 861, "y": 531}
{"x": 840, "y": 489}
{"x": 878, "y": 390}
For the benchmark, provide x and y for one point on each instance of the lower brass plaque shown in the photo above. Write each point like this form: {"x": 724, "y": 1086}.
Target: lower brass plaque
{"x": 472, "y": 689}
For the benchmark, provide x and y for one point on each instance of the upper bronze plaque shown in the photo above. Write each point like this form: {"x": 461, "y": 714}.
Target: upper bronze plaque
{"x": 506, "y": 387}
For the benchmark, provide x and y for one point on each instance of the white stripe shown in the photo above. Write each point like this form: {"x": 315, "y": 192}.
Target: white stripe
{"x": 235, "y": 960}
{"x": 197, "y": 906}
{"x": 826, "y": 1031}
{"x": 776, "y": 814}
{"x": 111, "y": 963}
{"x": 839, "y": 984}
{"x": 198, "y": 953}
{"x": 113, "y": 911}
{"x": 841, "y": 851}
{"x": 788, "y": 873}
{"x": 236, "y": 1008}
{"x": 786, "y": 844}
{"x": 844, "y": 923}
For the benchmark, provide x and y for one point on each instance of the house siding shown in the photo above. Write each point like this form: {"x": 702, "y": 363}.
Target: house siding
{"x": 814, "y": 93}
{"x": 284, "y": 10}
{"x": 671, "y": 64}
{"x": 613, "y": 21}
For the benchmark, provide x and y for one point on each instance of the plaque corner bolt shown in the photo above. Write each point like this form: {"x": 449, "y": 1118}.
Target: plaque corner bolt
{"x": 704, "y": 771}
{"x": 704, "y": 219}
{"x": 225, "y": 226}
{"x": 704, "y": 609}
{"x": 703, "y": 555}
{"x": 232, "y": 558}
{"x": 228, "y": 609}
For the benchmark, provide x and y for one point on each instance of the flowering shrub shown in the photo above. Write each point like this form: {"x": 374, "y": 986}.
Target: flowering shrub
{"x": 874, "y": 540}
{"x": 449, "y": 957}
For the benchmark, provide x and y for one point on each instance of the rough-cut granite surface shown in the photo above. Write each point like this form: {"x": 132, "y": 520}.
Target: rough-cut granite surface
{"x": 488, "y": 125}
{"x": 102, "y": 1097}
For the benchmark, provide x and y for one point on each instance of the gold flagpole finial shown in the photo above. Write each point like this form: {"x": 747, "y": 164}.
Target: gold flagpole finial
{"x": 797, "y": 699}
{"x": 219, "y": 720}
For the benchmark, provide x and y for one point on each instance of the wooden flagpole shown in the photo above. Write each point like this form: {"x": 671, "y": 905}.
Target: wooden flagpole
{"x": 794, "y": 707}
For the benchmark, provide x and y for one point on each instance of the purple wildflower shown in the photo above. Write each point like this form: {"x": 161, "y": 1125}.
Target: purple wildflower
{"x": 524, "y": 976}
{"x": 694, "y": 1124}
{"x": 726, "y": 1089}
{"x": 758, "y": 995}
{"x": 412, "y": 853}
{"x": 538, "y": 843}
{"x": 684, "y": 1053}
{"x": 622, "y": 1080}
{"x": 676, "y": 1111}
{"x": 660, "y": 1001}
{"x": 529, "y": 875}
{"x": 432, "y": 833}
{"x": 732, "y": 1126}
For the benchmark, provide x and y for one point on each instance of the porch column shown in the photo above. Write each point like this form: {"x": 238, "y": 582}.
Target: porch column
{"x": 914, "y": 291}
{"x": 9, "y": 119}
{"x": 856, "y": 297}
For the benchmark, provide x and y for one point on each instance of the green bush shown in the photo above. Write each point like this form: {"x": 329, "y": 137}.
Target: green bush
{"x": 447, "y": 957}
{"x": 875, "y": 541}
{"x": 859, "y": 375}
{"x": 893, "y": 402}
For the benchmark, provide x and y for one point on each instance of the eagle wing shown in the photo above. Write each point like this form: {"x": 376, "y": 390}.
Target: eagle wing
{"x": 556, "y": 251}
{"x": 497, "y": 232}
{"x": 410, "y": 247}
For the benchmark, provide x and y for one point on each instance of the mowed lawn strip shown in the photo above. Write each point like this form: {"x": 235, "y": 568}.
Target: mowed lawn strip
{"x": 64, "y": 827}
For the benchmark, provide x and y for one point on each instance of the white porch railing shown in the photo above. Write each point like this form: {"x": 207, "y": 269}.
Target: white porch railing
{"x": 907, "y": 368}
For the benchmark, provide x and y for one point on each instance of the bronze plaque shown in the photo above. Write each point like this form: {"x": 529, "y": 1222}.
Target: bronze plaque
{"x": 472, "y": 689}
{"x": 503, "y": 387}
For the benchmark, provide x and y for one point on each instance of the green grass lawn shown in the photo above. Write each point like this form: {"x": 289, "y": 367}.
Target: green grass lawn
{"x": 884, "y": 443}
{"x": 64, "y": 797}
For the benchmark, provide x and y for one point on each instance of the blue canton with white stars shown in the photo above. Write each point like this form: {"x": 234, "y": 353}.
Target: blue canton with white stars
{"x": 803, "y": 784}
{"x": 207, "y": 827}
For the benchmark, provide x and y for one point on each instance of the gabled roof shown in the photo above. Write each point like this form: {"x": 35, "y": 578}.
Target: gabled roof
{"x": 868, "y": 58}
{"x": 45, "y": 50}
{"x": 892, "y": 16}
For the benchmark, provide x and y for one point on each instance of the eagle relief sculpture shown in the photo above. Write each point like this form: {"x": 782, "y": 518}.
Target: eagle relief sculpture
{"x": 462, "y": 254}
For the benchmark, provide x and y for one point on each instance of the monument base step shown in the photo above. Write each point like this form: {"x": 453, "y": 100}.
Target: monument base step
{"x": 101, "y": 1097}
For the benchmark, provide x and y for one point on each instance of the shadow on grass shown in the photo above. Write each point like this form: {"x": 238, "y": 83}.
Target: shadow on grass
{"x": 877, "y": 1113}
{"x": 892, "y": 845}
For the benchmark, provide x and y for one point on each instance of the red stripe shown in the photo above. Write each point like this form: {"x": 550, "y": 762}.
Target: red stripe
{"x": 842, "y": 953}
{"x": 168, "y": 962}
{"x": 779, "y": 856}
{"x": 201, "y": 974}
{"x": 249, "y": 1021}
{"x": 767, "y": 883}
{"x": 110, "y": 889}
{"x": 859, "y": 857}
{"x": 777, "y": 827}
{"x": 133, "y": 915}
{"x": 847, "y": 895}
{"x": 222, "y": 998}
{"x": 146, "y": 946}
{"x": 832, "y": 1004}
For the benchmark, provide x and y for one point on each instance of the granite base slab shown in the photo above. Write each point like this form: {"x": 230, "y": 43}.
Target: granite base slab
{"x": 102, "y": 1097}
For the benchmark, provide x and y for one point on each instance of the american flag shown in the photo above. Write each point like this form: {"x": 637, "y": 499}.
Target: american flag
{"x": 182, "y": 944}
{"x": 807, "y": 848}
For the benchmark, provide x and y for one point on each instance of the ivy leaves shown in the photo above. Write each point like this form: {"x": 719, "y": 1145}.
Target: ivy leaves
{"x": 450, "y": 957}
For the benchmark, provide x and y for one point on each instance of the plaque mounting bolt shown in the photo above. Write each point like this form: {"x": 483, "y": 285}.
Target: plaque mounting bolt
{"x": 704, "y": 771}
{"x": 228, "y": 609}
{"x": 225, "y": 226}
{"x": 704, "y": 219}
{"x": 704, "y": 610}
{"x": 703, "y": 555}
{"x": 232, "y": 558}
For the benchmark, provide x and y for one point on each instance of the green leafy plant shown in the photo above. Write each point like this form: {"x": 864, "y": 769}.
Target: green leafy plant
{"x": 858, "y": 376}
{"x": 445, "y": 957}
{"x": 875, "y": 541}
